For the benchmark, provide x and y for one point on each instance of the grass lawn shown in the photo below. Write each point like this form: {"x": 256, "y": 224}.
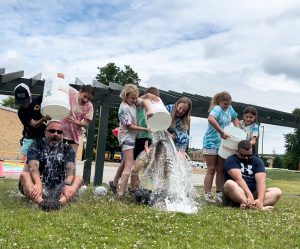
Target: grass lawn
{"x": 93, "y": 222}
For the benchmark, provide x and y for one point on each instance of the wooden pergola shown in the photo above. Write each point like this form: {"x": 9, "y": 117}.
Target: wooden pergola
{"x": 107, "y": 97}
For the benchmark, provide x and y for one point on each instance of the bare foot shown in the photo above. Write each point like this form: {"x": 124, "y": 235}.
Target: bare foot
{"x": 121, "y": 196}
{"x": 243, "y": 206}
{"x": 267, "y": 208}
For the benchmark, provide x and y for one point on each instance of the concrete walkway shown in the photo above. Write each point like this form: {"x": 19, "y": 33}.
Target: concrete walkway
{"x": 111, "y": 168}
{"x": 110, "y": 171}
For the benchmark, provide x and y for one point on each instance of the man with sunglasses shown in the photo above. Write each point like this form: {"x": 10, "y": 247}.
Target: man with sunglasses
{"x": 48, "y": 177}
{"x": 245, "y": 181}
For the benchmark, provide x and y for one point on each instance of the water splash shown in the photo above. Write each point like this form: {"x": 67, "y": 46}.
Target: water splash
{"x": 171, "y": 173}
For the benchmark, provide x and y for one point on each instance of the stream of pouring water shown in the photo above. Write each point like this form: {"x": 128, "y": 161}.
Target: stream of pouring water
{"x": 171, "y": 173}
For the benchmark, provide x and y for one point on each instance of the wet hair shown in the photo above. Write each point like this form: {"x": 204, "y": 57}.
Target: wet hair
{"x": 152, "y": 90}
{"x": 53, "y": 121}
{"x": 127, "y": 89}
{"x": 88, "y": 89}
{"x": 186, "y": 118}
{"x": 252, "y": 110}
{"x": 219, "y": 97}
{"x": 245, "y": 145}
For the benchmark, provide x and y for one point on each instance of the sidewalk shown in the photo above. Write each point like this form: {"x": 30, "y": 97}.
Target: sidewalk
{"x": 111, "y": 168}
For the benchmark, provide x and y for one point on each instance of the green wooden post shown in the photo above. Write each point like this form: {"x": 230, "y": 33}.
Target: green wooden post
{"x": 89, "y": 148}
{"x": 101, "y": 143}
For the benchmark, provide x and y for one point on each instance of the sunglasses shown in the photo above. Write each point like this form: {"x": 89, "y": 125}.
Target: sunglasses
{"x": 52, "y": 131}
{"x": 246, "y": 155}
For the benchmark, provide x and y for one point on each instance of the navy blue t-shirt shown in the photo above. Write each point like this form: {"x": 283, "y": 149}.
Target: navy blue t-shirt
{"x": 248, "y": 171}
{"x": 33, "y": 111}
{"x": 53, "y": 161}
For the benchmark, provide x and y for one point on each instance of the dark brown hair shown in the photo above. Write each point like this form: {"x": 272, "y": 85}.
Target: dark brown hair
{"x": 88, "y": 89}
{"x": 152, "y": 90}
{"x": 245, "y": 145}
{"x": 252, "y": 110}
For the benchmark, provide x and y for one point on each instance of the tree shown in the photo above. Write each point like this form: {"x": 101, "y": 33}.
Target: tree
{"x": 265, "y": 161}
{"x": 112, "y": 73}
{"x": 277, "y": 162}
{"x": 9, "y": 102}
{"x": 292, "y": 145}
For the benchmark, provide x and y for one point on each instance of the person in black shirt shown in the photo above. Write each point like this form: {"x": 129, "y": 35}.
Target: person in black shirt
{"x": 30, "y": 115}
{"x": 245, "y": 181}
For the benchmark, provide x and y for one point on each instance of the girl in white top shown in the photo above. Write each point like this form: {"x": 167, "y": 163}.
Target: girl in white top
{"x": 249, "y": 125}
{"x": 128, "y": 131}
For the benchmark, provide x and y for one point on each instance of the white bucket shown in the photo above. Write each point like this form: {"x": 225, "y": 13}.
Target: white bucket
{"x": 56, "y": 102}
{"x": 161, "y": 119}
{"x": 229, "y": 146}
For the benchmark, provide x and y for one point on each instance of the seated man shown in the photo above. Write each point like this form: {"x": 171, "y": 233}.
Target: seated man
{"x": 245, "y": 181}
{"x": 48, "y": 177}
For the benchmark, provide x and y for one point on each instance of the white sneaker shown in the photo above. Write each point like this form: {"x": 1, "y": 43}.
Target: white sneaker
{"x": 219, "y": 198}
{"x": 209, "y": 198}
{"x": 82, "y": 189}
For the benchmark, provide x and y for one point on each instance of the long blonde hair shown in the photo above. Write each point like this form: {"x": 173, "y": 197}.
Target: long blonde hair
{"x": 127, "y": 89}
{"x": 219, "y": 97}
{"x": 186, "y": 118}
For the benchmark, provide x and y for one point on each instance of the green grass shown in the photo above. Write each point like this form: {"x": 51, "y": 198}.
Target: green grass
{"x": 288, "y": 181}
{"x": 93, "y": 222}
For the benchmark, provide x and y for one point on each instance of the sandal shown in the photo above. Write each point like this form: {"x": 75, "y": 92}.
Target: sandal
{"x": 112, "y": 187}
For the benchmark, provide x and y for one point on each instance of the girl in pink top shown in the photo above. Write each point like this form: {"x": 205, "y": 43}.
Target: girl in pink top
{"x": 81, "y": 114}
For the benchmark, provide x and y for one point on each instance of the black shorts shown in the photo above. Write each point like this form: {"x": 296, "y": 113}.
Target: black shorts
{"x": 139, "y": 146}
{"x": 52, "y": 192}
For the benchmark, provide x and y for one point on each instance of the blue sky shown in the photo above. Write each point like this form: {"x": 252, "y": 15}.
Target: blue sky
{"x": 249, "y": 48}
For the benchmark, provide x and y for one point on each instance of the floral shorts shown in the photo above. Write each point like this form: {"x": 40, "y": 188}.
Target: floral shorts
{"x": 210, "y": 152}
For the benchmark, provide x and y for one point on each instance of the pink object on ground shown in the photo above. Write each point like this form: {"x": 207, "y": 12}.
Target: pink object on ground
{"x": 115, "y": 131}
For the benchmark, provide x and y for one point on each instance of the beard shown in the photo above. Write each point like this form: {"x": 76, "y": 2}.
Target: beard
{"x": 53, "y": 141}
{"x": 246, "y": 161}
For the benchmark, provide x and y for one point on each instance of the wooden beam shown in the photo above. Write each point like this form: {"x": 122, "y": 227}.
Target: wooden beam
{"x": 78, "y": 82}
{"x": 89, "y": 149}
{"x": 101, "y": 141}
{"x": 97, "y": 84}
{"x": 11, "y": 76}
{"x": 34, "y": 79}
{"x": 115, "y": 86}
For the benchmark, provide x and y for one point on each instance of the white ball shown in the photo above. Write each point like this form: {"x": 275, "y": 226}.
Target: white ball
{"x": 100, "y": 191}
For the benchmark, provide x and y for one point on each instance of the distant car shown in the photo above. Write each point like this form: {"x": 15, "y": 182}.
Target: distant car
{"x": 202, "y": 165}
{"x": 118, "y": 156}
{"x": 196, "y": 164}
